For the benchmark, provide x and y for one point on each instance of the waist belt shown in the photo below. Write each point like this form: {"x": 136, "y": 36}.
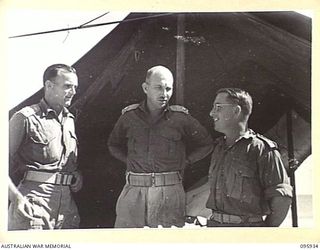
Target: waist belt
{"x": 153, "y": 179}
{"x": 236, "y": 219}
{"x": 52, "y": 178}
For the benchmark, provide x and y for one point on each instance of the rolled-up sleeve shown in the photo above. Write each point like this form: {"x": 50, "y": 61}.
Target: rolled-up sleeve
{"x": 273, "y": 176}
{"x": 17, "y": 133}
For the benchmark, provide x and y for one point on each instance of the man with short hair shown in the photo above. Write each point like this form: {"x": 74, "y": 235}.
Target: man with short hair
{"x": 43, "y": 144}
{"x": 156, "y": 141}
{"x": 246, "y": 175}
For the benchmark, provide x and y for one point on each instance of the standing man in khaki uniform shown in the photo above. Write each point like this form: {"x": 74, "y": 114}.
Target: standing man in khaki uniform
{"x": 156, "y": 141}
{"x": 247, "y": 177}
{"x": 43, "y": 144}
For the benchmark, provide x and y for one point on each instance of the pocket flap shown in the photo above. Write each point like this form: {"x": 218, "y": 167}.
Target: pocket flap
{"x": 73, "y": 135}
{"x": 170, "y": 134}
{"x": 245, "y": 171}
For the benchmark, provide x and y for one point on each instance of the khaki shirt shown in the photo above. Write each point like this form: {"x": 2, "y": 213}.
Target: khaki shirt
{"x": 39, "y": 141}
{"x": 163, "y": 146}
{"x": 244, "y": 176}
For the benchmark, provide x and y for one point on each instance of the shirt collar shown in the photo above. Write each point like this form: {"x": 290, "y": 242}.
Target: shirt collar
{"x": 144, "y": 108}
{"x": 47, "y": 110}
{"x": 249, "y": 134}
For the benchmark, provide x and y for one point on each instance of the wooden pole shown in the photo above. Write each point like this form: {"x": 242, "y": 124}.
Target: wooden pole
{"x": 180, "y": 61}
{"x": 292, "y": 169}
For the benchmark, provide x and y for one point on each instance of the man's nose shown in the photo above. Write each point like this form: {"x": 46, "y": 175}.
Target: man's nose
{"x": 212, "y": 113}
{"x": 73, "y": 90}
{"x": 164, "y": 93}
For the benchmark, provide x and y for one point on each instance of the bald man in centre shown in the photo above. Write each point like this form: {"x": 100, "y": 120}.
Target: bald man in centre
{"x": 156, "y": 142}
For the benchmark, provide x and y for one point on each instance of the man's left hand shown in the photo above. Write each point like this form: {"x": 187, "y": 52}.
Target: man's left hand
{"x": 77, "y": 184}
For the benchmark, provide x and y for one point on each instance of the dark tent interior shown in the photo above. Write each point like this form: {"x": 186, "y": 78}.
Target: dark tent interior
{"x": 267, "y": 54}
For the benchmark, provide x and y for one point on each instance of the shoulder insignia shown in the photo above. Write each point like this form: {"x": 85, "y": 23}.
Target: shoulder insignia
{"x": 29, "y": 110}
{"x": 179, "y": 108}
{"x": 218, "y": 140}
{"x": 267, "y": 141}
{"x": 69, "y": 114}
{"x": 130, "y": 107}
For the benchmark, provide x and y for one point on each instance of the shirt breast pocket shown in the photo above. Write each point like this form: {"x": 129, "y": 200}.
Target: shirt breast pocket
{"x": 137, "y": 141}
{"x": 41, "y": 146}
{"x": 242, "y": 181}
{"x": 168, "y": 143}
{"x": 38, "y": 137}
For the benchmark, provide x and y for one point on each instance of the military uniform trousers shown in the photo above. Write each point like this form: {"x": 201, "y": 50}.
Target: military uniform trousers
{"x": 152, "y": 200}
{"x": 59, "y": 208}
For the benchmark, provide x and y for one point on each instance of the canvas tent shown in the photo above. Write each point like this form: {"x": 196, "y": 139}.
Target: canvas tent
{"x": 268, "y": 54}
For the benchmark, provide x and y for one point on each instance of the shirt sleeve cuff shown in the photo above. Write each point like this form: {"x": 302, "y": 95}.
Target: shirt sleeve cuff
{"x": 281, "y": 189}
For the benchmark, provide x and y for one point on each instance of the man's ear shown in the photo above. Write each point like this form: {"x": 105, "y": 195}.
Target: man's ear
{"x": 48, "y": 84}
{"x": 144, "y": 87}
{"x": 238, "y": 110}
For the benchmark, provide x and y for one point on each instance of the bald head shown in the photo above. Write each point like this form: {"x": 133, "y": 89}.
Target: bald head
{"x": 158, "y": 87}
{"x": 159, "y": 72}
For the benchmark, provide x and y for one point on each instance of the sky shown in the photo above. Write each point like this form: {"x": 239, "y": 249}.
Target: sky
{"x": 29, "y": 56}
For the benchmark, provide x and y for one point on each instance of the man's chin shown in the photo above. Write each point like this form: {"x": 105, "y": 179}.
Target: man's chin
{"x": 216, "y": 128}
{"x": 67, "y": 103}
{"x": 163, "y": 104}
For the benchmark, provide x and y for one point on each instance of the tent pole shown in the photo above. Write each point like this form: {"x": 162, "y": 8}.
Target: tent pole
{"x": 180, "y": 60}
{"x": 292, "y": 168}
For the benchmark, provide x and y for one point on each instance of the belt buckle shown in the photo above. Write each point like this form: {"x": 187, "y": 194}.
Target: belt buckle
{"x": 62, "y": 179}
{"x": 226, "y": 218}
{"x": 217, "y": 217}
{"x": 58, "y": 180}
